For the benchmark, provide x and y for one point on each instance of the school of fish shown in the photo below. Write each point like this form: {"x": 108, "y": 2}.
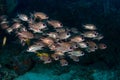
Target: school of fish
{"x": 40, "y": 33}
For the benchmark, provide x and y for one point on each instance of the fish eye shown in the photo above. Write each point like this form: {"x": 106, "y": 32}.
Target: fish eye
{"x": 87, "y": 44}
{"x": 95, "y": 47}
{"x": 95, "y": 33}
{"x": 56, "y": 57}
{"x": 82, "y": 53}
{"x": 104, "y": 46}
{"x": 82, "y": 38}
{"x": 49, "y": 59}
{"x": 44, "y": 24}
{"x": 76, "y": 46}
{"x": 65, "y": 63}
{"x": 68, "y": 33}
{"x": 61, "y": 24}
{"x": 71, "y": 47}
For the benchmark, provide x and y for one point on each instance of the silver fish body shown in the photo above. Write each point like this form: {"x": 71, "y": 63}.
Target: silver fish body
{"x": 23, "y": 17}
{"x": 34, "y": 48}
{"x": 76, "y": 53}
{"x": 90, "y": 34}
{"x": 89, "y": 27}
{"x": 82, "y": 45}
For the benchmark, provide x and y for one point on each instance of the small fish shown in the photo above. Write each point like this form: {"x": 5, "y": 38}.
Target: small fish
{"x": 74, "y": 45}
{"x": 64, "y": 35}
{"x": 74, "y": 30}
{"x": 83, "y": 45}
{"x": 47, "y": 60}
{"x": 89, "y": 27}
{"x": 16, "y": 25}
{"x": 41, "y": 54}
{"x": 39, "y": 42}
{"x": 25, "y": 34}
{"x": 48, "y": 41}
{"x": 22, "y": 29}
{"x": 37, "y": 27}
{"x": 52, "y": 47}
{"x": 92, "y": 46}
{"x": 60, "y": 30}
{"x": 77, "y": 39}
{"x": 44, "y": 57}
{"x": 60, "y": 53}
{"x": 4, "y": 21}
{"x": 76, "y": 53}
{"x": 55, "y": 23}
{"x": 90, "y": 34}
{"x": 4, "y": 26}
{"x": 102, "y": 46}
{"x": 4, "y": 41}
{"x": 41, "y": 25}
{"x": 40, "y": 15}
{"x": 23, "y": 17}
{"x": 74, "y": 58}
{"x": 63, "y": 62}
{"x": 55, "y": 56}
{"x": 99, "y": 37}
{"x": 9, "y": 30}
{"x": 34, "y": 28}
{"x": 64, "y": 47}
{"x": 34, "y": 48}
{"x": 53, "y": 35}
{"x": 16, "y": 20}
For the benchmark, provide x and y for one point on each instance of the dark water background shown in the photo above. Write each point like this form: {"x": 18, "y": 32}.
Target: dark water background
{"x": 105, "y": 14}
{"x": 73, "y": 13}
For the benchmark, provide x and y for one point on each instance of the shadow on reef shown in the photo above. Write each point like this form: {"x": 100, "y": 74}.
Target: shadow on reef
{"x": 73, "y": 14}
